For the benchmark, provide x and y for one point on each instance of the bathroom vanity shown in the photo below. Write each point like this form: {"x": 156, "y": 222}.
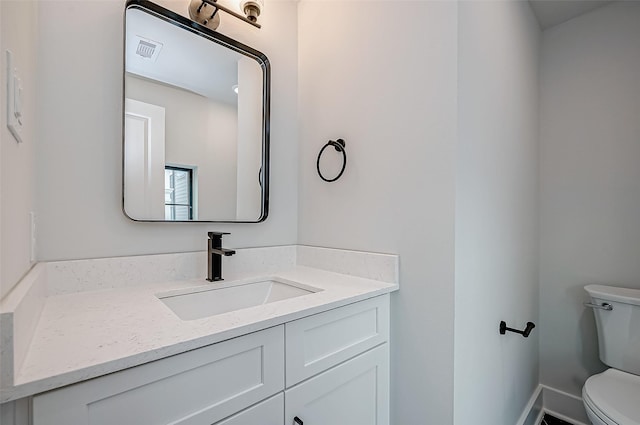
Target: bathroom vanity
{"x": 118, "y": 352}
{"x": 331, "y": 367}
{"x": 292, "y": 335}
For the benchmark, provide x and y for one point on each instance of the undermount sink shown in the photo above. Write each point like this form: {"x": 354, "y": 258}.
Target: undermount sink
{"x": 219, "y": 298}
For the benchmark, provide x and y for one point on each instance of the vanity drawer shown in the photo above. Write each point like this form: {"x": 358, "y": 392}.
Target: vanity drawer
{"x": 318, "y": 342}
{"x": 202, "y": 386}
{"x": 268, "y": 412}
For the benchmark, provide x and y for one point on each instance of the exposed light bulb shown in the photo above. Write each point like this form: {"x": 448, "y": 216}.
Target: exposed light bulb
{"x": 235, "y": 88}
{"x": 252, "y": 8}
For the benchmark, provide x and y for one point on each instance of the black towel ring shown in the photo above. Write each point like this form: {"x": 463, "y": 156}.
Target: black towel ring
{"x": 339, "y": 146}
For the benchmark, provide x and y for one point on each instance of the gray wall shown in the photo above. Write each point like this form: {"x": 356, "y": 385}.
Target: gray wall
{"x": 79, "y": 143}
{"x": 590, "y": 181}
{"x": 18, "y": 33}
{"x": 496, "y": 238}
{"x": 382, "y": 75}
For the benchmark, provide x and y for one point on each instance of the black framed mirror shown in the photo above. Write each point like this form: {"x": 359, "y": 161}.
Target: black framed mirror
{"x": 196, "y": 121}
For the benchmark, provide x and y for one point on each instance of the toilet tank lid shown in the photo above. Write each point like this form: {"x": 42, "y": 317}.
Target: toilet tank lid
{"x": 613, "y": 293}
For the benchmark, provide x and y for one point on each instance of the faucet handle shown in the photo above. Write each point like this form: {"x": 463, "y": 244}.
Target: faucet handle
{"x": 212, "y": 234}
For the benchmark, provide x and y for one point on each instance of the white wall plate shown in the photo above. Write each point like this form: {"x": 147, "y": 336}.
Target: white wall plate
{"x": 14, "y": 100}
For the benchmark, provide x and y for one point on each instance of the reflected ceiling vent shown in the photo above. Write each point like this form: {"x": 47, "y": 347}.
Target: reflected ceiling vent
{"x": 148, "y": 49}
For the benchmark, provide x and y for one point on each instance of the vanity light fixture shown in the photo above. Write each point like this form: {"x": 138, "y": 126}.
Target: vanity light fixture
{"x": 252, "y": 8}
{"x": 205, "y": 12}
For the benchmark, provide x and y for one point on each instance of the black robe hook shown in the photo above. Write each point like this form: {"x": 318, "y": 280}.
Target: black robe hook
{"x": 525, "y": 333}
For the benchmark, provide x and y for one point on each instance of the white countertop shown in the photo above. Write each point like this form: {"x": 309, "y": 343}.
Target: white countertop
{"x": 84, "y": 335}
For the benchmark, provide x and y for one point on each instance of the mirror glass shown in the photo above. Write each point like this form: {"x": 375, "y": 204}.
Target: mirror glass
{"x": 196, "y": 122}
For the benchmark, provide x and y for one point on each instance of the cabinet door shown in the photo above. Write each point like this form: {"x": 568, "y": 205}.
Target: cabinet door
{"x": 319, "y": 342}
{"x": 353, "y": 393}
{"x": 268, "y": 412}
{"x": 199, "y": 387}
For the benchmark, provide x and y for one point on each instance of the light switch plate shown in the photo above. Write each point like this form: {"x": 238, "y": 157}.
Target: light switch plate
{"x": 14, "y": 100}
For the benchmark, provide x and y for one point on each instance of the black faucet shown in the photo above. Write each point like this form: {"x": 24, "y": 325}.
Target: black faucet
{"x": 215, "y": 253}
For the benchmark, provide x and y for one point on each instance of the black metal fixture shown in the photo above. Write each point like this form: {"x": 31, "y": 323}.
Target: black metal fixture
{"x": 297, "y": 421}
{"x": 215, "y": 252}
{"x": 525, "y": 333}
{"x": 205, "y": 12}
{"x": 338, "y": 145}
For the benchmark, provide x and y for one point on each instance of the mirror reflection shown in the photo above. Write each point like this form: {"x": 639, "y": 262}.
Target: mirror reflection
{"x": 195, "y": 123}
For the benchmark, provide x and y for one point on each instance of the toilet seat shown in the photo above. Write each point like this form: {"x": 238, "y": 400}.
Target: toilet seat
{"x": 614, "y": 397}
{"x": 596, "y": 417}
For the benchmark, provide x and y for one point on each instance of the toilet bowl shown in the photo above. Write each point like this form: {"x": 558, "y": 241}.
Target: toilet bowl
{"x": 613, "y": 396}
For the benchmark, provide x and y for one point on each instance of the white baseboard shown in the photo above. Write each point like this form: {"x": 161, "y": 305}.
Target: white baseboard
{"x": 557, "y": 403}
{"x": 565, "y": 406}
{"x": 533, "y": 410}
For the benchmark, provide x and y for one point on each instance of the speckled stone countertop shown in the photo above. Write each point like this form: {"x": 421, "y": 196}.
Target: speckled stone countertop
{"x": 84, "y": 334}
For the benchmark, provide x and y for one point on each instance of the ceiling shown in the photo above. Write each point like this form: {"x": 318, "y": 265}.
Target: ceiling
{"x": 181, "y": 58}
{"x": 554, "y": 12}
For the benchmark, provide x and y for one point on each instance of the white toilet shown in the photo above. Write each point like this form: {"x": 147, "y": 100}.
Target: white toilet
{"x": 613, "y": 396}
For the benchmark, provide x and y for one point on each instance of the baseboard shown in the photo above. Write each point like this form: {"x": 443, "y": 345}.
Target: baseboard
{"x": 532, "y": 412}
{"x": 565, "y": 406}
{"x": 557, "y": 403}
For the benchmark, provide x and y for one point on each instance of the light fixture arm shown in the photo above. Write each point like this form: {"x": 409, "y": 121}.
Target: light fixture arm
{"x": 217, "y": 6}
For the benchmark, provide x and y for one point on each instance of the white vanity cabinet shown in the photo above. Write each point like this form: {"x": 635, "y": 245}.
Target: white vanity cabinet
{"x": 268, "y": 412}
{"x": 345, "y": 354}
{"x": 202, "y": 386}
{"x": 336, "y": 369}
{"x": 355, "y": 392}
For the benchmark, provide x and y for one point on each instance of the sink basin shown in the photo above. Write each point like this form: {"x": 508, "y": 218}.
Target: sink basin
{"x": 218, "y": 298}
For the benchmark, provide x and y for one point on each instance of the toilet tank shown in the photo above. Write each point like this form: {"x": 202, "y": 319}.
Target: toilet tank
{"x": 619, "y": 328}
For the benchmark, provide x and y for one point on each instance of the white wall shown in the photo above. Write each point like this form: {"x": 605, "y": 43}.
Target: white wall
{"x": 590, "y": 181}
{"x": 202, "y": 133}
{"x": 19, "y": 29}
{"x": 4, "y": 288}
{"x": 249, "y": 158}
{"x": 496, "y": 238}
{"x": 80, "y": 136}
{"x": 382, "y": 75}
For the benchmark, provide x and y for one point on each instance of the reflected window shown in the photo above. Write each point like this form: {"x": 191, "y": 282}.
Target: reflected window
{"x": 178, "y": 193}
